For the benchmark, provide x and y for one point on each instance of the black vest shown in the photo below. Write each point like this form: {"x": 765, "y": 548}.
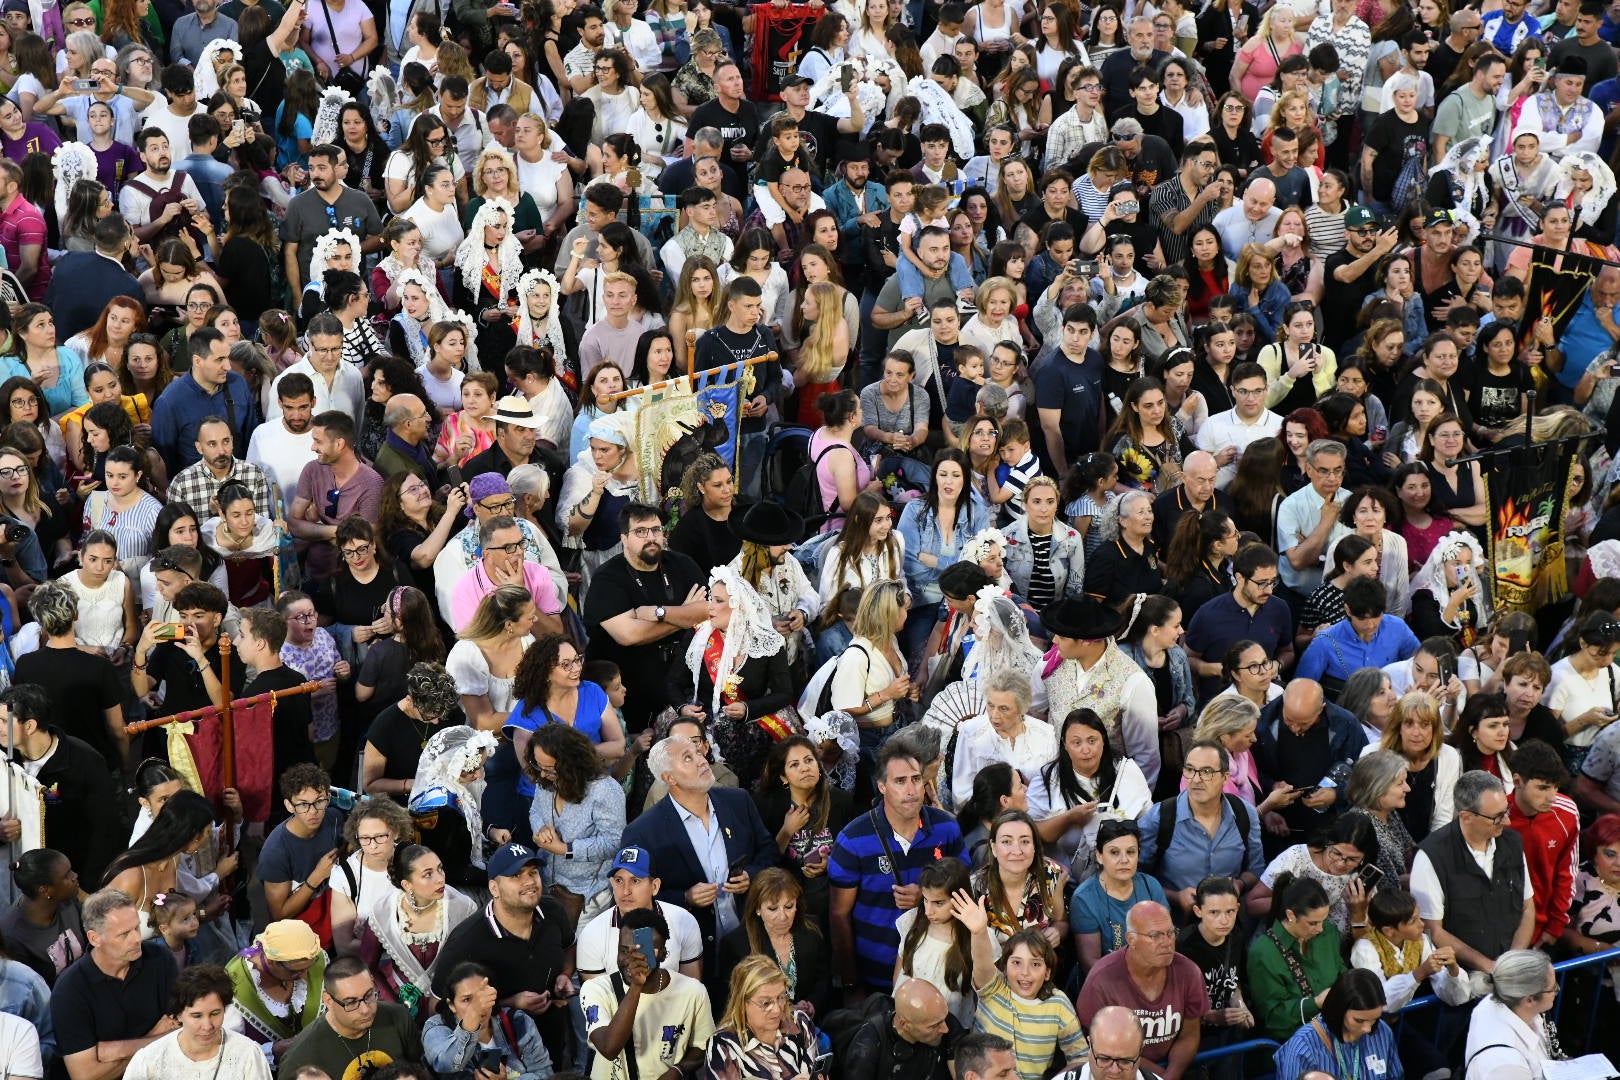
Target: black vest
{"x": 1481, "y": 912}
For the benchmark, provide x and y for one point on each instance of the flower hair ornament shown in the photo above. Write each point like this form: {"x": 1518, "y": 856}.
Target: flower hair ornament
{"x": 1000, "y": 637}
{"x": 471, "y": 257}
{"x": 333, "y": 99}
{"x": 449, "y": 755}
{"x": 750, "y": 633}
{"x": 72, "y": 162}
{"x": 981, "y": 543}
{"x": 526, "y": 285}
{"x": 325, "y": 245}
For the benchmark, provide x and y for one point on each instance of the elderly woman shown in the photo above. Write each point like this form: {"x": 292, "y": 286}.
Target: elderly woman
{"x": 446, "y": 797}
{"x": 761, "y": 1033}
{"x": 1377, "y": 791}
{"x": 401, "y": 935}
{"x": 1507, "y": 1037}
{"x": 1004, "y": 732}
{"x": 1127, "y": 561}
{"x": 999, "y": 641}
{"x": 577, "y": 815}
{"x": 1415, "y": 733}
{"x": 1231, "y": 721}
{"x": 739, "y": 675}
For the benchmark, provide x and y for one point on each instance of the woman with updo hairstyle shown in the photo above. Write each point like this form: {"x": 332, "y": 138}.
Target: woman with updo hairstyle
{"x": 1285, "y": 992}
{"x": 202, "y": 1045}
{"x": 402, "y": 933}
{"x": 840, "y": 476}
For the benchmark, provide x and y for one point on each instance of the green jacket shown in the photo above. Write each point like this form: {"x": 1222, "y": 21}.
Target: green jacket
{"x": 1278, "y": 1004}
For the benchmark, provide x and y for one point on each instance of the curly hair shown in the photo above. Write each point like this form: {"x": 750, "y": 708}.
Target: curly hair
{"x": 578, "y": 763}
{"x": 531, "y": 684}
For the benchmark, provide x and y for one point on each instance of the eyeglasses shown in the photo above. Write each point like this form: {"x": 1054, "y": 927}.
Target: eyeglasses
{"x": 303, "y": 616}
{"x": 1241, "y": 392}
{"x": 1494, "y": 819}
{"x": 647, "y": 532}
{"x": 371, "y": 841}
{"x": 440, "y": 141}
{"x": 1351, "y": 861}
{"x": 573, "y": 663}
{"x": 504, "y": 506}
{"x": 1339, "y": 472}
{"x": 82, "y": 22}
{"x": 1261, "y": 667}
{"x": 359, "y": 551}
{"x": 1155, "y": 936}
{"x": 770, "y": 1004}
{"x": 1192, "y": 773}
{"x": 1090, "y": 87}
{"x": 506, "y": 549}
{"x": 319, "y": 804}
{"x": 1105, "y": 1063}
{"x": 351, "y": 1004}
{"x": 1267, "y": 584}
{"x": 14, "y": 473}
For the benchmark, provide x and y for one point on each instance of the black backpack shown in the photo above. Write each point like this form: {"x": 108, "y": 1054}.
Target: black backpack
{"x": 803, "y": 494}
{"x": 1169, "y": 808}
{"x": 840, "y": 1025}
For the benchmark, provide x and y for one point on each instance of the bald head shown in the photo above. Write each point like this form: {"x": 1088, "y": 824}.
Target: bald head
{"x": 403, "y": 411}
{"x": 795, "y": 185}
{"x": 1259, "y": 198}
{"x": 1150, "y": 937}
{"x": 1116, "y": 1033}
{"x": 921, "y": 1012}
{"x": 1198, "y": 477}
{"x": 1302, "y": 704}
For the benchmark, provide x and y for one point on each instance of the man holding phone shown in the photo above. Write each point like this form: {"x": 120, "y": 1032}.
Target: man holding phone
{"x": 645, "y": 1009}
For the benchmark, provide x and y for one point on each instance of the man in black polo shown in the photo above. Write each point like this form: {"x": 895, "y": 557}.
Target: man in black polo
{"x": 115, "y": 998}
{"x": 1195, "y": 494}
{"x": 525, "y": 940}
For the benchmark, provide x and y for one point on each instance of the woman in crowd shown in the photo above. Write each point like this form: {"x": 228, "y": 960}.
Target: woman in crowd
{"x": 485, "y": 659}
{"x": 934, "y": 528}
{"x": 577, "y": 814}
{"x": 373, "y": 830}
{"x": 57, "y": 370}
{"x": 403, "y": 930}
{"x": 197, "y": 1008}
{"x": 1332, "y": 859}
{"x": 1295, "y": 961}
{"x": 1197, "y": 566}
{"x": 548, "y": 689}
{"x": 776, "y": 925}
{"x": 1151, "y": 638}
{"x": 1481, "y": 737}
{"x": 446, "y": 802}
{"x": 1024, "y": 888}
{"x": 1415, "y": 733}
{"x": 150, "y": 868}
{"x": 471, "y": 1024}
{"x": 805, "y": 813}
{"x": 1101, "y": 906}
{"x": 1352, "y": 557}
{"x": 1377, "y": 791}
{"x": 761, "y": 1030}
{"x": 1507, "y": 1031}
{"x": 1349, "y": 1032}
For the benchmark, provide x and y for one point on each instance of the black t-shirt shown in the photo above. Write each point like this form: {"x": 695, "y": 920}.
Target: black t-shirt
{"x": 1221, "y": 964}
{"x": 400, "y": 543}
{"x": 740, "y": 127}
{"x": 1076, "y": 390}
{"x": 1396, "y": 142}
{"x": 1342, "y": 300}
{"x": 290, "y": 738}
{"x": 89, "y": 1007}
{"x": 359, "y": 603}
{"x": 401, "y": 739}
{"x": 1495, "y": 399}
{"x": 183, "y": 687}
{"x": 1164, "y": 122}
{"x": 818, "y": 138}
{"x": 247, "y": 267}
{"x": 704, "y": 539}
{"x": 1037, "y": 219}
{"x": 81, "y": 687}
{"x": 720, "y": 346}
{"x": 616, "y": 589}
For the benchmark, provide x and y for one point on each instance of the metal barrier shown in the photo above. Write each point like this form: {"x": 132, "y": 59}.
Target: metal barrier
{"x": 1242, "y": 1049}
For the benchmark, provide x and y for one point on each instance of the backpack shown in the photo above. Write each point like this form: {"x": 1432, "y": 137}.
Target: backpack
{"x": 841, "y": 1025}
{"x": 160, "y": 200}
{"x": 817, "y": 697}
{"x": 804, "y": 489}
{"x": 1169, "y": 808}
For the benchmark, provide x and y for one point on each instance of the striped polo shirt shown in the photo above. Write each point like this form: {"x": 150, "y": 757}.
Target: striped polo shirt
{"x": 858, "y": 862}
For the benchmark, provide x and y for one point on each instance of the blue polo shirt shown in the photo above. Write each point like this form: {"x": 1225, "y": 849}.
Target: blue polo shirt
{"x": 1220, "y": 623}
{"x": 1193, "y": 854}
{"x": 1337, "y": 650}
{"x": 1583, "y": 338}
{"x": 858, "y": 862}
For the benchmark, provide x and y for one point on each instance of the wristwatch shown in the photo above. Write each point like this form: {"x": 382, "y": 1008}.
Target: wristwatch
{"x": 658, "y": 613}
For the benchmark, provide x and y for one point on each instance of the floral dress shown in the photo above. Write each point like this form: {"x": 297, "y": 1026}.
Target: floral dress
{"x": 1030, "y": 910}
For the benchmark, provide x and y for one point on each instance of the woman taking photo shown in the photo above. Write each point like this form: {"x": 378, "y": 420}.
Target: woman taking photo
{"x": 577, "y": 813}
{"x": 1415, "y": 733}
{"x": 485, "y": 660}
{"x": 402, "y": 932}
{"x": 805, "y": 813}
{"x": 1088, "y": 783}
{"x": 1296, "y": 960}
{"x": 1101, "y": 907}
{"x": 1298, "y": 368}
{"x": 472, "y": 1024}
{"x": 414, "y": 528}
{"x": 775, "y": 924}
{"x": 46, "y": 545}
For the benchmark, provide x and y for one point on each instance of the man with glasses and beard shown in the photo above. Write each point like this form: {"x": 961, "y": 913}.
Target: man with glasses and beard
{"x": 640, "y": 611}
{"x": 487, "y": 495}
{"x": 1348, "y": 276}
{"x": 1472, "y": 883}
{"x": 356, "y": 1032}
{"x": 336, "y": 485}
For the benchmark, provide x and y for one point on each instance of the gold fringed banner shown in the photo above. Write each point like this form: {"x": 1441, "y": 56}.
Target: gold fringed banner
{"x": 1525, "y": 494}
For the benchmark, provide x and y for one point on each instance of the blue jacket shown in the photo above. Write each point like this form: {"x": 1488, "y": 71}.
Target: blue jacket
{"x": 1181, "y": 677}
{"x": 851, "y": 236}
{"x": 922, "y": 535}
{"x": 184, "y": 405}
{"x": 453, "y": 1051}
{"x": 675, "y": 863}
{"x": 1269, "y": 313}
{"x": 81, "y": 284}
{"x": 1346, "y": 737}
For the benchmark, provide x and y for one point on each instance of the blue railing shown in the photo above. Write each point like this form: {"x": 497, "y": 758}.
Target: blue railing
{"x": 1242, "y": 1050}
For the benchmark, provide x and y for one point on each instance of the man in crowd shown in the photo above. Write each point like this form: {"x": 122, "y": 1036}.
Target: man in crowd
{"x": 502, "y": 563}
{"x": 114, "y": 999}
{"x": 284, "y": 444}
{"x": 1202, "y": 831}
{"x": 1308, "y": 516}
{"x": 337, "y": 385}
{"x": 1187, "y": 200}
{"x": 1162, "y": 988}
{"x": 912, "y": 1036}
{"x": 336, "y": 485}
{"x": 23, "y": 233}
{"x": 1252, "y": 611}
{"x": 405, "y": 448}
{"x": 486, "y": 495}
{"x": 635, "y": 888}
{"x": 614, "y": 334}
{"x": 1195, "y": 494}
{"x": 873, "y": 871}
{"x": 188, "y": 668}
{"x": 1549, "y": 825}
{"x": 1228, "y": 434}
{"x": 356, "y": 1032}
{"x": 1068, "y": 393}
{"x": 159, "y": 196}
{"x": 217, "y": 465}
{"x": 328, "y": 205}
{"x": 516, "y": 428}
{"x": 85, "y": 280}
{"x": 209, "y": 391}
{"x": 646, "y": 1010}
{"x": 1303, "y": 740}
{"x": 1365, "y": 637}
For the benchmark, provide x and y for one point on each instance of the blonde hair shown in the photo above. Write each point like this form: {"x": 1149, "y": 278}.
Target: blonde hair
{"x": 453, "y": 61}
{"x": 748, "y": 978}
{"x": 1413, "y": 704}
{"x": 816, "y": 352}
{"x": 991, "y": 286}
{"x": 882, "y": 611}
{"x": 499, "y": 153}
{"x": 1226, "y": 714}
{"x": 618, "y": 277}
{"x": 1274, "y": 119}
{"x": 494, "y": 611}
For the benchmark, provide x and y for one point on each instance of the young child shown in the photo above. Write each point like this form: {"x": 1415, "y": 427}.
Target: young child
{"x": 961, "y": 395}
{"x": 279, "y": 336}
{"x": 1017, "y": 996}
{"x": 1087, "y": 492}
{"x": 928, "y": 209}
{"x": 1019, "y": 466}
{"x": 174, "y": 914}
{"x": 1219, "y": 953}
{"x": 933, "y": 945}
{"x": 942, "y": 42}
{"x": 785, "y": 152}
{"x": 1398, "y": 949}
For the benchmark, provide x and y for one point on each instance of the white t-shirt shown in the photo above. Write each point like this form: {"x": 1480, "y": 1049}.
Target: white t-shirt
{"x": 667, "y": 1024}
{"x": 373, "y": 884}
{"x": 1569, "y": 695}
{"x": 136, "y": 206}
{"x": 597, "y": 945}
{"x": 19, "y": 1049}
{"x": 446, "y": 392}
{"x": 281, "y": 454}
{"x": 441, "y": 229}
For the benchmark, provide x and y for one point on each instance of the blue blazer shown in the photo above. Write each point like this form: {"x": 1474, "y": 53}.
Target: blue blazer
{"x": 676, "y": 863}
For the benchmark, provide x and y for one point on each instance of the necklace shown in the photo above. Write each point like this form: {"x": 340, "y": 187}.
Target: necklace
{"x": 411, "y": 903}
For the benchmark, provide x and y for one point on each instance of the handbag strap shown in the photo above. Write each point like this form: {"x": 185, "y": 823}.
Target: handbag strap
{"x": 332, "y": 30}
{"x": 879, "y": 827}
{"x": 1294, "y": 967}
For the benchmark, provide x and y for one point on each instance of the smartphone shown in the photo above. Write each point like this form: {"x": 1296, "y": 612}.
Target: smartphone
{"x": 452, "y": 475}
{"x": 1129, "y": 207}
{"x": 169, "y": 631}
{"x": 737, "y": 866}
{"x": 1371, "y": 876}
{"x": 846, "y": 79}
{"x": 1448, "y": 666}
{"x": 1539, "y": 63}
{"x": 239, "y": 128}
{"x": 821, "y": 1065}
{"x": 644, "y": 943}
{"x": 1518, "y": 642}
{"x": 1305, "y": 789}
{"x": 1088, "y": 269}
{"x": 87, "y": 84}
{"x": 490, "y": 1061}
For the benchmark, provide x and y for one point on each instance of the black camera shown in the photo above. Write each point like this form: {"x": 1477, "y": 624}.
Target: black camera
{"x": 15, "y": 534}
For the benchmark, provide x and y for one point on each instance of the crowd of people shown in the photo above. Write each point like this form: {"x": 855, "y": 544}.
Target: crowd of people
{"x": 1077, "y": 649}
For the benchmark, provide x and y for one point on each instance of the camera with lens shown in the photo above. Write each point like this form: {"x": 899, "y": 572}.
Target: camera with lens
{"x": 15, "y": 533}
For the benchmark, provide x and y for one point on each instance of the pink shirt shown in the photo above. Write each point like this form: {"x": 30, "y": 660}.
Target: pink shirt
{"x": 827, "y": 484}
{"x": 475, "y": 585}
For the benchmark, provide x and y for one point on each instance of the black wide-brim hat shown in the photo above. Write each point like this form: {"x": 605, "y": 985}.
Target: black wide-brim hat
{"x": 768, "y": 524}
{"x": 1081, "y": 618}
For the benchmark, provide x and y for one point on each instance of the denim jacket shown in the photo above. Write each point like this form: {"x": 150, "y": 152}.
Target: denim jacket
{"x": 1181, "y": 679}
{"x": 1269, "y": 313}
{"x": 922, "y": 534}
{"x": 1068, "y": 558}
{"x": 841, "y": 201}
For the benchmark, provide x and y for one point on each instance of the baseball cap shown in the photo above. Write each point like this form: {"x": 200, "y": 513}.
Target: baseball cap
{"x": 796, "y": 80}
{"x": 634, "y": 859}
{"x": 1359, "y": 217}
{"x": 508, "y": 859}
{"x": 1439, "y": 217}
